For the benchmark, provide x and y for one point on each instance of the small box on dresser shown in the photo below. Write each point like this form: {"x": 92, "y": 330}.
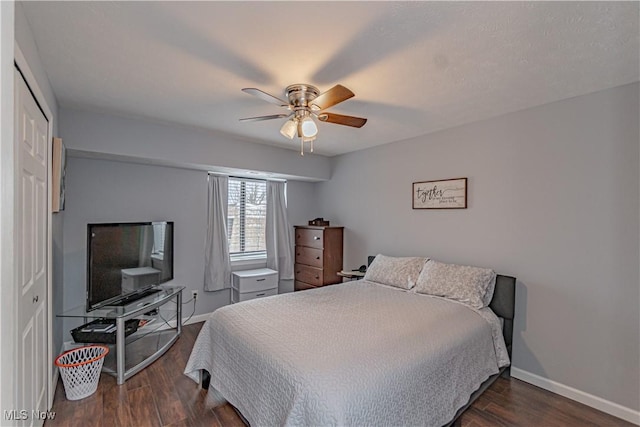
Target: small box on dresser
{"x": 251, "y": 284}
{"x": 318, "y": 256}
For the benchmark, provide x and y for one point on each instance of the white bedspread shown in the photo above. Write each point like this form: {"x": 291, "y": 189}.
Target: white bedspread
{"x": 351, "y": 354}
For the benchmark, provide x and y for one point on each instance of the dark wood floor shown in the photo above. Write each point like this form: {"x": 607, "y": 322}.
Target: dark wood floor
{"x": 161, "y": 395}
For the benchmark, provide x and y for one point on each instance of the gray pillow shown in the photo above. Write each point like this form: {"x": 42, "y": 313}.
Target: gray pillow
{"x": 401, "y": 272}
{"x": 473, "y": 286}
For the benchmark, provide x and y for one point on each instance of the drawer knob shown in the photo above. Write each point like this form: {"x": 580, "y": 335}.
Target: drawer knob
{"x": 317, "y": 277}
{"x": 317, "y": 257}
{"x": 316, "y": 237}
{"x": 260, "y": 295}
{"x": 260, "y": 280}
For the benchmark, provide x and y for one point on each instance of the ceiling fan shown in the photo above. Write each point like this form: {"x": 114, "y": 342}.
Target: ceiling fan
{"x": 305, "y": 102}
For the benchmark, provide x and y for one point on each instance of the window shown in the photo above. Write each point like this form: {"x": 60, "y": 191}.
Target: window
{"x": 158, "y": 240}
{"x": 246, "y": 220}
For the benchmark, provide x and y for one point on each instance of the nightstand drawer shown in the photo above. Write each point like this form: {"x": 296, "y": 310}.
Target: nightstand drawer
{"x": 309, "y": 237}
{"x": 309, "y": 256}
{"x": 307, "y": 274}
{"x": 255, "y": 280}
{"x": 246, "y": 296}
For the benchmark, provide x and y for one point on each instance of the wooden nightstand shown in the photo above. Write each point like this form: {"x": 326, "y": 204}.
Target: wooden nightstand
{"x": 351, "y": 275}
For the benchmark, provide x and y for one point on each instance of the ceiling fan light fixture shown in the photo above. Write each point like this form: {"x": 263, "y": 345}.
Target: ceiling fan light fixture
{"x": 305, "y": 102}
{"x": 289, "y": 128}
{"x": 308, "y": 127}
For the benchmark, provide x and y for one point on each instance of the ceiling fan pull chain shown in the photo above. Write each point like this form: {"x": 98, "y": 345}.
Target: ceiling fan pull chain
{"x": 301, "y": 147}
{"x": 311, "y": 146}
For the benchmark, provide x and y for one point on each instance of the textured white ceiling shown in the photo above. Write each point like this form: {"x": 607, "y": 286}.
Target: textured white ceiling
{"x": 415, "y": 67}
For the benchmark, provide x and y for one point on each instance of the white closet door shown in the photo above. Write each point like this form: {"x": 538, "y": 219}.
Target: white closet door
{"x": 32, "y": 165}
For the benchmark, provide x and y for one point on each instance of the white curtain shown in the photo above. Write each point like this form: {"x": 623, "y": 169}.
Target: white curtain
{"x": 278, "y": 232}
{"x": 217, "y": 273}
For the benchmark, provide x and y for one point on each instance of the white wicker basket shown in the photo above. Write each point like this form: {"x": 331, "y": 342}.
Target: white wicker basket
{"x": 80, "y": 370}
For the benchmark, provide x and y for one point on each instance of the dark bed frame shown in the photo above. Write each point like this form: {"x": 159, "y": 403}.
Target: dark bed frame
{"x": 503, "y": 305}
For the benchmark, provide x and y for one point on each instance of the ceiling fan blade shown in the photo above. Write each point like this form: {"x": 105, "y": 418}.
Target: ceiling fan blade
{"x": 333, "y": 96}
{"x": 265, "y": 96}
{"x": 339, "y": 119}
{"x": 260, "y": 118}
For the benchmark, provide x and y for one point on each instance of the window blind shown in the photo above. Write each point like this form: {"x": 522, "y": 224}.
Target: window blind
{"x": 246, "y": 220}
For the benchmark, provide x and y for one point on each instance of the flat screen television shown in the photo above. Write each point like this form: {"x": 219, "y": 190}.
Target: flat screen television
{"x": 127, "y": 260}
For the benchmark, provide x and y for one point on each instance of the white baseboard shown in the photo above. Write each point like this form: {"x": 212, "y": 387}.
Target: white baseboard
{"x": 596, "y": 402}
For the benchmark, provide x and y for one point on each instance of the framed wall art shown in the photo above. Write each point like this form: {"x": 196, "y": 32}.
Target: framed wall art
{"x": 440, "y": 194}
{"x": 59, "y": 157}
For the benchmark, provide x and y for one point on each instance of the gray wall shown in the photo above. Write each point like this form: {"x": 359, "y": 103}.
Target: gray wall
{"x": 113, "y": 191}
{"x": 553, "y": 200}
{"x": 164, "y": 143}
{"x": 107, "y": 190}
{"x": 24, "y": 39}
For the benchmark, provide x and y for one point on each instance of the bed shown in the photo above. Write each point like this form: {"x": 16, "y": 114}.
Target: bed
{"x": 358, "y": 353}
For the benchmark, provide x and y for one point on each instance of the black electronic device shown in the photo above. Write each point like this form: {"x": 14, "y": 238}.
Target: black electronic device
{"x": 125, "y": 261}
{"x": 102, "y": 331}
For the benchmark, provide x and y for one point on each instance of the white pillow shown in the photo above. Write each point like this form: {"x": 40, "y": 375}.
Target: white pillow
{"x": 401, "y": 272}
{"x": 473, "y": 286}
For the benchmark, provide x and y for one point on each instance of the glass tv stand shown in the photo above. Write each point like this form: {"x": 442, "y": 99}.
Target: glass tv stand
{"x": 159, "y": 326}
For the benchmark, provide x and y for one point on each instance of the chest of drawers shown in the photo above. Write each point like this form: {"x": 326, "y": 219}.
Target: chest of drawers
{"x": 318, "y": 256}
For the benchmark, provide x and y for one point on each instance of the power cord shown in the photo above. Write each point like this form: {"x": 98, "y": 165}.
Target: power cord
{"x": 194, "y": 296}
{"x": 194, "y": 299}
